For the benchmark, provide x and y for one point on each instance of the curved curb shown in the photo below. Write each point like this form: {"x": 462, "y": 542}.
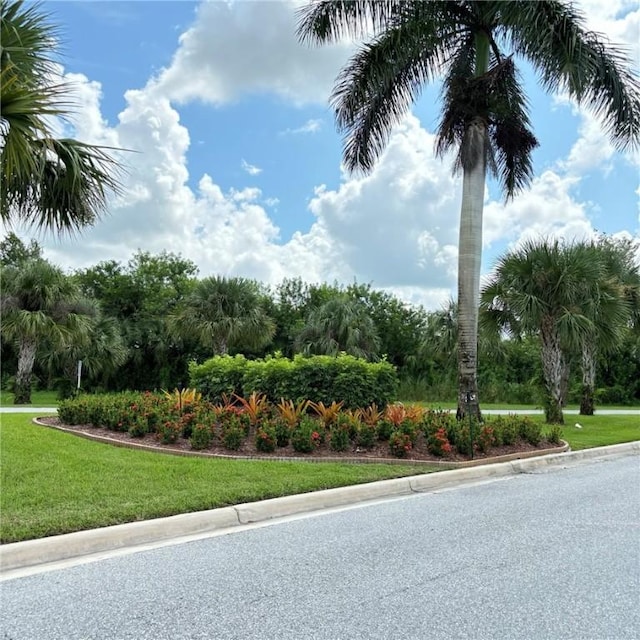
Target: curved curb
{"x": 445, "y": 464}
{"x": 19, "y": 555}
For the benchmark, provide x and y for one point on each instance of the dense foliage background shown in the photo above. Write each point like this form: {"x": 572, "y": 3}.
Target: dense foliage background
{"x": 140, "y": 306}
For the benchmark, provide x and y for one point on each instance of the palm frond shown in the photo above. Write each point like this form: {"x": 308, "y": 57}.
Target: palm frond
{"x": 58, "y": 184}
{"x": 331, "y": 20}
{"x": 375, "y": 89}
{"x": 553, "y": 37}
{"x": 28, "y": 39}
{"x": 510, "y": 131}
{"x": 68, "y": 187}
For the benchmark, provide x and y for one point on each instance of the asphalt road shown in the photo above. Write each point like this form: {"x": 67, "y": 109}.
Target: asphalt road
{"x": 554, "y": 555}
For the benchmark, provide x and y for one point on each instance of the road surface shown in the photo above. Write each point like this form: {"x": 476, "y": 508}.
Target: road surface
{"x": 551, "y": 555}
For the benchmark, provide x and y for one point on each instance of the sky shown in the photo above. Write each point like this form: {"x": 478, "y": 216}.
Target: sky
{"x": 235, "y": 161}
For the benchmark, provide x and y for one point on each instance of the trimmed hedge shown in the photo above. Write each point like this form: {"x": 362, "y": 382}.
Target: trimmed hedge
{"x": 355, "y": 382}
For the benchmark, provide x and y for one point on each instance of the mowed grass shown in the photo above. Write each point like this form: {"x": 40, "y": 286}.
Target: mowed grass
{"x": 488, "y": 406}
{"x": 38, "y": 399}
{"x": 55, "y": 483}
{"x": 598, "y": 431}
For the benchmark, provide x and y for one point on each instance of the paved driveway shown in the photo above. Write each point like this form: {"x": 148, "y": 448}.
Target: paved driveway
{"x": 550, "y": 555}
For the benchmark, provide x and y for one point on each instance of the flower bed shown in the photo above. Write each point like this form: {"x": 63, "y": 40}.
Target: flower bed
{"x": 253, "y": 426}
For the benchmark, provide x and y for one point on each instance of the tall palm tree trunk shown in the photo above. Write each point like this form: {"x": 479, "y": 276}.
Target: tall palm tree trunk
{"x": 469, "y": 260}
{"x": 26, "y": 358}
{"x": 588, "y": 379}
{"x": 552, "y": 368}
{"x": 473, "y": 155}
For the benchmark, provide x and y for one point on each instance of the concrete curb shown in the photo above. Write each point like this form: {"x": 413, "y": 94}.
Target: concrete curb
{"x": 19, "y": 555}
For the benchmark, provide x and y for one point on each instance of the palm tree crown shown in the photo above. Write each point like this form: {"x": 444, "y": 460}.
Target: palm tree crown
{"x": 46, "y": 182}
{"x": 561, "y": 293}
{"x": 471, "y": 44}
{"x": 38, "y": 304}
{"x": 224, "y": 313}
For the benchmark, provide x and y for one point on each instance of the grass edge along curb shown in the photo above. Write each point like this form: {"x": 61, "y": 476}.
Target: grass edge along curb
{"x": 445, "y": 464}
{"x": 20, "y": 555}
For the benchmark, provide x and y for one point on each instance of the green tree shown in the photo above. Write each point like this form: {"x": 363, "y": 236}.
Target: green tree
{"x": 37, "y": 305}
{"x": 47, "y": 182}
{"x": 224, "y": 314}
{"x": 139, "y": 296}
{"x": 440, "y": 338}
{"x": 615, "y": 306}
{"x": 341, "y": 324}
{"x": 485, "y": 113}
{"x": 100, "y": 348}
{"x": 399, "y": 325}
{"x": 14, "y": 252}
{"x": 550, "y": 290}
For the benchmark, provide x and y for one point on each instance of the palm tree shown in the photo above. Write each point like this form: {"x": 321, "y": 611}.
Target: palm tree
{"x": 551, "y": 291}
{"x": 37, "y": 305}
{"x": 615, "y": 306}
{"x": 342, "y": 324}
{"x": 46, "y": 182}
{"x": 485, "y": 112}
{"x": 224, "y": 313}
{"x": 100, "y": 347}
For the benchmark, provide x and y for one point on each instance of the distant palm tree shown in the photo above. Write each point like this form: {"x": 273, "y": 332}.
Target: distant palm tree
{"x": 440, "y": 338}
{"x": 100, "y": 347}
{"x": 47, "y": 182}
{"x": 550, "y": 290}
{"x": 615, "y": 306}
{"x": 485, "y": 115}
{"x": 223, "y": 313}
{"x": 342, "y": 324}
{"x": 37, "y": 304}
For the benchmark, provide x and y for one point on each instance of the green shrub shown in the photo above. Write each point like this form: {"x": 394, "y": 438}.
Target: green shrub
{"x": 187, "y": 420}
{"x": 169, "y": 432}
{"x": 352, "y": 381}
{"x": 486, "y": 438}
{"x": 531, "y": 431}
{"x": 366, "y": 436}
{"x": 75, "y": 411}
{"x": 410, "y": 429}
{"x": 201, "y": 436}
{"x": 233, "y": 435}
{"x": 384, "y": 429}
{"x": 509, "y": 431}
{"x": 307, "y": 436}
{"x": 400, "y": 444}
{"x": 139, "y": 427}
{"x": 438, "y": 443}
{"x": 266, "y": 438}
{"x": 554, "y": 434}
{"x": 283, "y": 433}
{"x": 466, "y": 436}
{"x": 217, "y": 376}
{"x": 340, "y": 436}
{"x": 272, "y": 376}
{"x": 434, "y": 420}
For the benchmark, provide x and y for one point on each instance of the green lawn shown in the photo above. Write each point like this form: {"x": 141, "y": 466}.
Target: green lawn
{"x": 38, "y": 399}
{"x": 598, "y": 431}
{"x": 54, "y": 482}
{"x": 514, "y": 407}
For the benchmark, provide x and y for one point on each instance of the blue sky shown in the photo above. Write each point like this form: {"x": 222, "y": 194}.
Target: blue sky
{"x": 238, "y": 161}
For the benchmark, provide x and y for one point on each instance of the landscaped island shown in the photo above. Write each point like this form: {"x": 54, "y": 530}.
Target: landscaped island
{"x": 253, "y": 426}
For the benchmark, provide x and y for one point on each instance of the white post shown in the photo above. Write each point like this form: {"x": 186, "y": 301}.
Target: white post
{"x": 79, "y": 373}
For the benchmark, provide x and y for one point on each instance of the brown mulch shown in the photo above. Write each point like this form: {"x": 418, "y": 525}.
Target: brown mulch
{"x": 378, "y": 453}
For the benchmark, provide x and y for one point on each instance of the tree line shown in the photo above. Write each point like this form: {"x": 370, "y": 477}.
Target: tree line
{"x": 138, "y": 325}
